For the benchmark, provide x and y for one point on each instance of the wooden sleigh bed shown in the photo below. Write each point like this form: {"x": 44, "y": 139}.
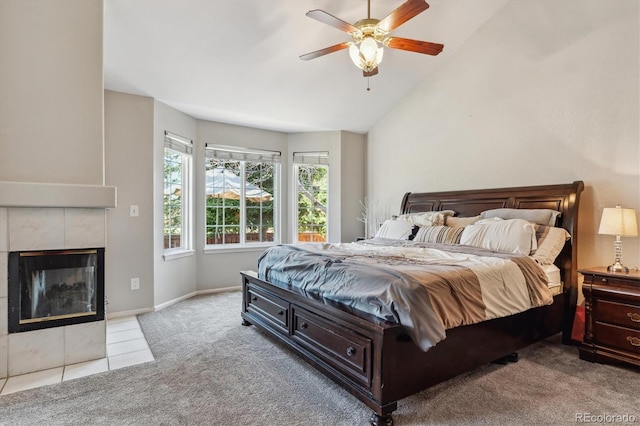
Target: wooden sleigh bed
{"x": 374, "y": 359}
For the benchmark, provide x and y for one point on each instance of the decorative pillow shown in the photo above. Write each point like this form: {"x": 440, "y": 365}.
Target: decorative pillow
{"x": 397, "y": 230}
{"x": 439, "y": 234}
{"x": 540, "y": 216}
{"x": 551, "y": 241}
{"x": 434, "y": 218}
{"x": 461, "y": 221}
{"x": 489, "y": 221}
{"x": 508, "y": 236}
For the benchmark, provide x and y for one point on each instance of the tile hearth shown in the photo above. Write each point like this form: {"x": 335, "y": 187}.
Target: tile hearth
{"x": 126, "y": 346}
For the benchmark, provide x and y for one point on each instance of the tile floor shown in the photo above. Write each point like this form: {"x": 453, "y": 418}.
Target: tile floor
{"x": 126, "y": 346}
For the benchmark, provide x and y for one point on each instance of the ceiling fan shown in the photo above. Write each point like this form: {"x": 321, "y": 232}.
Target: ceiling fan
{"x": 370, "y": 36}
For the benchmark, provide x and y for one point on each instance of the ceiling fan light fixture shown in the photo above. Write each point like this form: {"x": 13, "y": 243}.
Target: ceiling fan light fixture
{"x": 370, "y": 36}
{"x": 368, "y": 55}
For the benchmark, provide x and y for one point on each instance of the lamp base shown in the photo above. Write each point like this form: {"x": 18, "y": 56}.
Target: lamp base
{"x": 617, "y": 267}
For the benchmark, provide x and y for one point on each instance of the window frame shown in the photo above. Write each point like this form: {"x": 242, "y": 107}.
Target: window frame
{"x": 184, "y": 148}
{"x": 243, "y": 156}
{"x": 311, "y": 158}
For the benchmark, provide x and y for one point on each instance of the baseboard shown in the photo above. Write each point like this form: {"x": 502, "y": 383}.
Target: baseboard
{"x": 219, "y": 290}
{"x": 174, "y": 301}
{"x": 134, "y": 312}
{"x": 196, "y": 293}
{"x": 112, "y": 315}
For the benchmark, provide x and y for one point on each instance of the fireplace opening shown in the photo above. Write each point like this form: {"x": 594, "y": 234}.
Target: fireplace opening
{"x": 53, "y": 288}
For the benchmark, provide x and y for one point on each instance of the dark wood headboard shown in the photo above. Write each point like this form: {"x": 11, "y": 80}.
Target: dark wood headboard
{"x": 563, "y": 198}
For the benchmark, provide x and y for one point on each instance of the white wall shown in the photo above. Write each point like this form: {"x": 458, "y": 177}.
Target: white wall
{"x": 129, "y": 167}
{"x": 220, "y": 268}
{"x": 134, "y": 133}
{"x": 51, "y": 90}
{"x": 352, "y": 181}
{"x": 173, "y": 278}
{"x": 546, "y": 92}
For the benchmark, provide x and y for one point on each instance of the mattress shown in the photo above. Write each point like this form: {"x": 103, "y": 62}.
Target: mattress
{"x": 554, "y": 282}
{"x": 427, "y": 288}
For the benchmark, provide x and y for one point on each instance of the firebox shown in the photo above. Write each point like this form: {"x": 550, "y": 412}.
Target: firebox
{"x": 54, "y": 288}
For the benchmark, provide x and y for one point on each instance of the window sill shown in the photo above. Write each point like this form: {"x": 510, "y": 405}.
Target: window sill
{"x": 177, "y": 254}
{"x": 236, "y": 248}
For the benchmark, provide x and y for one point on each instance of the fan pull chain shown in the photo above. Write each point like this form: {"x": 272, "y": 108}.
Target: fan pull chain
{"x": 368, "y": 88}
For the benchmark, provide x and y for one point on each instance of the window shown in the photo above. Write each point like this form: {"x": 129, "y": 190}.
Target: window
{"x": 311, "y": 174}
{"x": 177, "y": 178}
{"x": 241, "y": 191}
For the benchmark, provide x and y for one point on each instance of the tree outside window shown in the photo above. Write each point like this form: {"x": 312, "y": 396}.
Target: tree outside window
{"x": 240, "y": 201}
{"x": 312, "y": 188}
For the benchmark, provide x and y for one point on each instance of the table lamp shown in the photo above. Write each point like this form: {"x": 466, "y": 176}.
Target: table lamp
{"x": 621, "y": 223}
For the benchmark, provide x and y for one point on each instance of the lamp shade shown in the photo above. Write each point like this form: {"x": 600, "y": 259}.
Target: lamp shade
{"x": 368, "y": 55}
{"x": 618, "y": 221}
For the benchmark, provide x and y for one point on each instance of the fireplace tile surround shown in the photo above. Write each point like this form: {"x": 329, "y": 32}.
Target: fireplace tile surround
{"x": 76, "y": 219}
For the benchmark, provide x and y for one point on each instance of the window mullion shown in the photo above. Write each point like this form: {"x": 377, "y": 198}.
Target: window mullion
{"x": 186, "y": 203}
{"x": 243, "y": 203}
{"x": 296, "y": 218}
{"x": 183, "y": 209}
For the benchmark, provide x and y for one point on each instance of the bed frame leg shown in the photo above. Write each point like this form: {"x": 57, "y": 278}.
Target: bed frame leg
{"x": 377, "y": 420}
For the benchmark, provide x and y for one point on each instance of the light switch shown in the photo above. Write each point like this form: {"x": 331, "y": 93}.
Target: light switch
{"x": 133, "y": 210}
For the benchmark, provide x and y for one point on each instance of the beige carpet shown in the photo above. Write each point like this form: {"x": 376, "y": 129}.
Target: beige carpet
{"x": 210, "y": 370}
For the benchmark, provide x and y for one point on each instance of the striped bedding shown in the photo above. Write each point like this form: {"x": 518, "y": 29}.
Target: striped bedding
{"x": 427, "y": 288}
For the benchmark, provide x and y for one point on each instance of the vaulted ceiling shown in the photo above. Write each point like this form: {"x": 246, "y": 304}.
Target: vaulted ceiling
{"x": 236, "y": 61}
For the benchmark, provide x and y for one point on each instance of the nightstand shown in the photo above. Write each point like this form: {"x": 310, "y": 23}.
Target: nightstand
{"x": 612, "y": 316}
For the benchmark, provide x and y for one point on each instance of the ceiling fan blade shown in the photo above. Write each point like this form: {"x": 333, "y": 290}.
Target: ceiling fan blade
{"x": 414, "y": 45}
{"x": 402, "y": 14}
{"x": 326, "y": 18}
{"x": 325, "y": 51}
{"x": 370, "y": 73}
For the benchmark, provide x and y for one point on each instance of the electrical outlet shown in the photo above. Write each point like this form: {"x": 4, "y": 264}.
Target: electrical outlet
{"x": 135, "y": 283}
{"x": 134, "y": 211}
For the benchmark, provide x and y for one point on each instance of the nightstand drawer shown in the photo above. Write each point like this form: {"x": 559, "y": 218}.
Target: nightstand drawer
{"x": 621, "y": 281}
{"x": 617, "y": 337}
{"x": 618, "y": 314}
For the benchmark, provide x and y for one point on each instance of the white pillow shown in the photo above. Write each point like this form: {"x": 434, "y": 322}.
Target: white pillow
{"x": 395, "y": 229}
{"x": 434, "y": 218}
{"x": 489, "y": 221}
{"x": 461, "y": 221}
{"x": 507, "y": 236}
{"x": 551, "y": 241}
{"x": 540, "y": 216}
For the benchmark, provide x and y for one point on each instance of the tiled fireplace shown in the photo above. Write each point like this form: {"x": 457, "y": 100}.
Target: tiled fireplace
{"x": 46, "y": 219}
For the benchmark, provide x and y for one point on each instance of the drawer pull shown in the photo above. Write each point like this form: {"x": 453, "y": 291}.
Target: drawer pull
{"x": 633, "y": 340}
{"x": 604, "y": 280}
{"x": 635, "y": 317}
{"x": 281, "y": 313}
{"x": 351, "y": 351}
{"x": 303, "y": 325}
